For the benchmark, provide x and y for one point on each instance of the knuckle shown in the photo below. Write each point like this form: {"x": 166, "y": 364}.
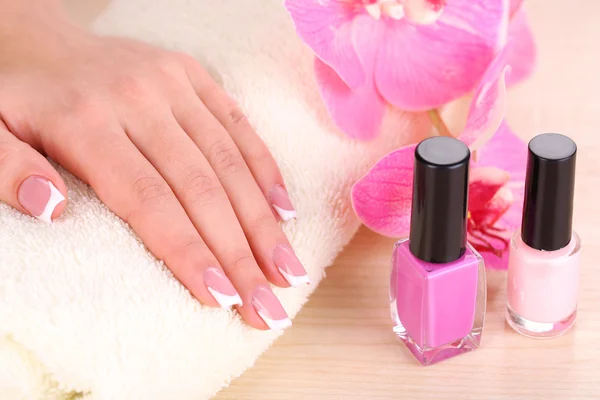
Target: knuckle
{"x": 262, "y": 225}
{"x": 238, "y": 119}
{"x": 201, "y": 188}
{"x": 84, "y": 108}
{"x": 187, "y": 61}
{"x": 129, "y": 86}
{"x": 261, "y": 158}
{"x": 169, "y": 66}
{"x": 242, "y": 259}
{"x": 151, "y": 190}
{"x": 10, "y": 153}
{"x": 184, "y": 58}
{"x": 225, "y": 158}
{"x": 187, "y": 251}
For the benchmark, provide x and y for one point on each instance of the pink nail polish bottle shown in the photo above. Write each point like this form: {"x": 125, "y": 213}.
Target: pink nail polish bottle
{"x": 438, "y": 287}
{"x": 543, "y": 268}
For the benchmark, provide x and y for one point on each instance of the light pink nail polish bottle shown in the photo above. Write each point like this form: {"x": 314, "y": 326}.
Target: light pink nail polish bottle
{"x": 543, "y": 271}
{"x": 438, "y": 287}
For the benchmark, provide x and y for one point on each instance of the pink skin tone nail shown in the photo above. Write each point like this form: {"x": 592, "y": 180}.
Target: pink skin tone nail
{"x": 281, "y": 203}
{"x": 543, "y": 266}
{"x": 221, "y": 288}
{"x": 39, "y": 197}
{"x": 289, "y": 266}
{"x": 437, "y": 285}
{"x": 269, "y": 308}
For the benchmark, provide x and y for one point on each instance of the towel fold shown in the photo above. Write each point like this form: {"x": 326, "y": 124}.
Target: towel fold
{"x": 84, "y": 308}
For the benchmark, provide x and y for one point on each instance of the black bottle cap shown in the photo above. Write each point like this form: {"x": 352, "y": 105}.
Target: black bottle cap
{"x": 438, "y": 225}
{"x": 549, "y": 189}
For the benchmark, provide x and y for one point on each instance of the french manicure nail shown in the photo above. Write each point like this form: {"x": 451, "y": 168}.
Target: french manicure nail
{"x": 281, "y": 203}
{"x": 290, "y": 267}
{"x": 40, "y": 197}
{"x": 221, "y": 288}
{"x": 269, "y": 308}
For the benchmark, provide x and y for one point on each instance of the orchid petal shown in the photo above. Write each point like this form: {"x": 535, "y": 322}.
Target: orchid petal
{"x": 521, "y": 49}
{"x": 495, "y": 208}
{"x": 498, "y": 261}
{"x": 499, "y": 238}
{"x": 382, "y": 198}
{"x": 515, "y": 5}
{"x": 484, "y": 183}
{"x": 423, "y": 11}
{"x": 497, "y": 235}
{"x": 326, "y": 27}
{"x": 421, "y": 67}
{"x": 358, "y": 113}
{"x": 488, "y": 107}
{"x": 509, "y": 153}
{"x": 505, "y": 151}
{"x": 511, "y": 156}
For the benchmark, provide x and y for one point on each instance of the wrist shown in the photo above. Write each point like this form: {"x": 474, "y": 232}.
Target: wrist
{"x": 38, "y": 23}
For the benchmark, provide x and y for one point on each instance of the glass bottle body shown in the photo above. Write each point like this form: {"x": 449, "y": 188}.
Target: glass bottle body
{"x": 542, "y": 288}
{"x": 438, "y": 310}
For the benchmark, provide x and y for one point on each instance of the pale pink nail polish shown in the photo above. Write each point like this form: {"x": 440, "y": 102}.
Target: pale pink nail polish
{"x": 281, "y": 203}
{"x": 40, "y": 197}
{"x": 437, "y": 285}
{"x": 221, "y": 288}
{"x": 290, "y": 266}
{"x": 543, "y": 270}
{"x": 269, "y": 308}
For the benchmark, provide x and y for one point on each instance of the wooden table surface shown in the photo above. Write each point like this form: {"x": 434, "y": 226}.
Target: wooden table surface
{"x": 341, "y": 345}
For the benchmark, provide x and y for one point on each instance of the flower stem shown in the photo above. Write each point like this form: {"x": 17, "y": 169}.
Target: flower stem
{"x": 438, "y": 123}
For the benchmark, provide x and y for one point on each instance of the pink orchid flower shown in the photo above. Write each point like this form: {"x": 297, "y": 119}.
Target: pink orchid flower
{"x": 413, "y": 54}
{"x": 496, "y": 196}
{"x": 382, "y": 198}
{"x": 520, "y": 45}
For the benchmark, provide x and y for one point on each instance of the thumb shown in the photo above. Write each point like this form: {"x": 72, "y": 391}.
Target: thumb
{"x": 27, "y": 180}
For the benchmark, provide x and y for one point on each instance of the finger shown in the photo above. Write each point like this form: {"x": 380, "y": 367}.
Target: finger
{"x": 254, "y": 151}
{"x": 180, "y": 162}
{"x": 29, "y": 183}
{"x": 269, "y": 244}
{"x": 130, "y": 186}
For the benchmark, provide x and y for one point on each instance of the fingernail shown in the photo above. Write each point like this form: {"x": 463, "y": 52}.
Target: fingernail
{"x": 221, "y": 288}
{"x": 270, "y": 309}
{"x": 281, "y": 203}
{"x": 40, "y": 197}
{"x": 290, "y": 267}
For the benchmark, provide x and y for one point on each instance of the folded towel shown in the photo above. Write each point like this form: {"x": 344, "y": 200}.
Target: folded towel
{"x": 85, "y": 308}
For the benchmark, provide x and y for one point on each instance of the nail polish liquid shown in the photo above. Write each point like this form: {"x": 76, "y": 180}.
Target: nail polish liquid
{"x": 543, "y": 271}
{"x": 438, "y": 286}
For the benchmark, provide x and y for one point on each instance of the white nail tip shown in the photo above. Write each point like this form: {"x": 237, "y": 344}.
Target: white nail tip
{"x": 285, "y": 215}
{"x": 276, "y": 324}
{"x": 55, "y": 199}
{"x": 225, "y": 301}
{"x": 293, "y": 280}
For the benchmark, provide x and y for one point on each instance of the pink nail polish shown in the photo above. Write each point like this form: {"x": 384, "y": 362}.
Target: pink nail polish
{"x": 543, "y": 270}
{"x": 269, "y": 308}
{"x": 281, "y": 203}
{"x": 40, "y": 197}
{"x": 221, "y": 288}
{"x": 290, "y": 267}
{"x": 437, "y": 286}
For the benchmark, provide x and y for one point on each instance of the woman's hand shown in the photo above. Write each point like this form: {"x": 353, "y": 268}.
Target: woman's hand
{"x": 163, "y": 147}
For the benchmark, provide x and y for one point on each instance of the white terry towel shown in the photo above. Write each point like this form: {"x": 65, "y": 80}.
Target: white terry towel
{"x": 85, "y": 308}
